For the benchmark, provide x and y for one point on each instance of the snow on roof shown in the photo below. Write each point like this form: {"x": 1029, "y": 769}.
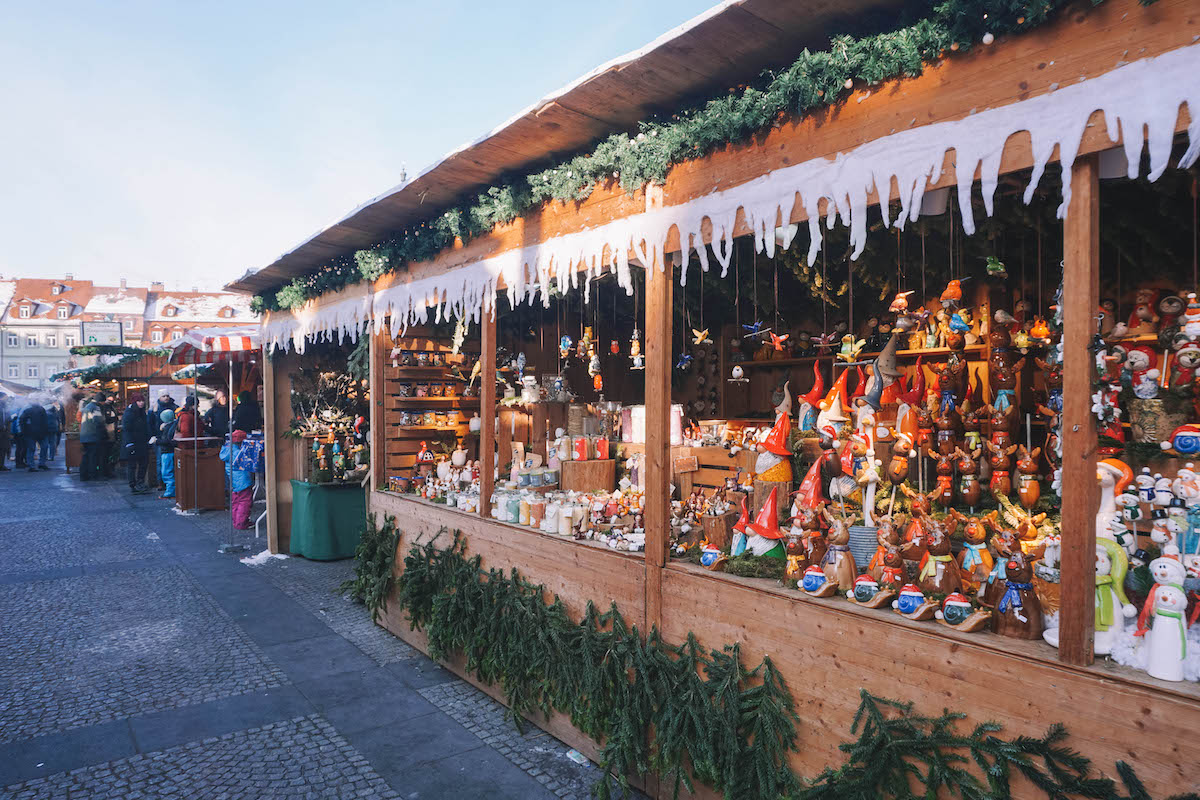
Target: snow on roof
{"x": 7, "y": 289}
{"x": 113, "y": 300}
{"x": 197, "y": 306}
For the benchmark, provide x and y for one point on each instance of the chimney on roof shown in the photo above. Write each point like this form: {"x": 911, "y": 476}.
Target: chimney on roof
{"x": 195, "y": 289}
{"x": 157, "y": 286}
{"x": 122, "y": 283}
{"x": 70, "y": 276}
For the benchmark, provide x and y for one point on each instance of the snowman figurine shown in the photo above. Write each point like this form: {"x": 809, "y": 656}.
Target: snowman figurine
{"x": 1166, "y": 643}
{"x": 1145, "y": 485}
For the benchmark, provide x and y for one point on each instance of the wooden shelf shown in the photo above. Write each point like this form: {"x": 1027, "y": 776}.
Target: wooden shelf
{"x": 802, "y": 360}
{"x": 426, "y": 372}
{"x": 420, "y": 401}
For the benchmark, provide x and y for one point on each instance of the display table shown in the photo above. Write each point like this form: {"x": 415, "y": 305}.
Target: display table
{"x": 199, "y": 474}
{"x": 327, "y": 519}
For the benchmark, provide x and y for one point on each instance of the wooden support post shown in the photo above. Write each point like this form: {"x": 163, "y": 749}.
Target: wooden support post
{"x": 1080, "y": 490}
{"x": 487, "y": 411}
{"x": 658, "y": 434}
{"x": 380, "y": 348}
{"x": 271, "y": 437}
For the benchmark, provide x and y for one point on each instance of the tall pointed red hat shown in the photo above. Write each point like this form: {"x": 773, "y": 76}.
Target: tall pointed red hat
{"x": 743, "y": 520}
{"x": 777, "y": 440}
{"x": 916, "y": 392}
{"x": 818, "y": 388}
{"x": 766, "y": 524}
{"x": 838, "y": 390}
{"x": 860, "y": 385}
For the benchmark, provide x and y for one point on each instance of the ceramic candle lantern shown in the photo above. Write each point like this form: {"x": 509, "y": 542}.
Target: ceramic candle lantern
{"x": 580, "y": 449}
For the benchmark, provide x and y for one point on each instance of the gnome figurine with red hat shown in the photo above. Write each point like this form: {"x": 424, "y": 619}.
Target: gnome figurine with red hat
{"x": 774, "y": 461}
{"x": 764, "y": 538}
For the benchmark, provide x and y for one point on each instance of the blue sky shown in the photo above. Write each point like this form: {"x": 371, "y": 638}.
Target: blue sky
{"x": 188, "y": 142}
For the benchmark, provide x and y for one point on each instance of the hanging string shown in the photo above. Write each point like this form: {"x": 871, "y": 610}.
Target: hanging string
{"x": 850, "y": 283}
{"x": 702, "y": 298}
{"x": 737, "y": 290}
{"x": 777, "y": 297}
{"x": 1039, "y": 261}
{"x": 922, "y": 265}
{"x": 824, "y": 289}
{"x": 1195, "y": 236}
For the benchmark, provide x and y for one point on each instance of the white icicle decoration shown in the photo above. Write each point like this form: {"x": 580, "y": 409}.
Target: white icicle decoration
{"x": 1145, "y": 94}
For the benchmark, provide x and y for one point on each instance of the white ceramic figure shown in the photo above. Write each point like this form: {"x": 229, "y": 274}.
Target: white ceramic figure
{"x": 1162, "y": 491}
{"x": 1166, "y": 643}
{"x": 1186, "y": 485}
{"x": 1114, "y": 476}
{"x": 1165, "y": 533}
{"x": 868, "y": 477}
{"x": 1145, "y": 485}
{"x": 459, "y": 457}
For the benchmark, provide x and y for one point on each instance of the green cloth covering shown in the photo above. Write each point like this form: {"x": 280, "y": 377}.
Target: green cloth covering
{"x": 327, "y": 520}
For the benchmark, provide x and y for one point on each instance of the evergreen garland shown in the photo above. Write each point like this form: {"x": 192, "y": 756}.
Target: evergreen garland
{"x": 374, "y": 559}
{"x": 813, "y": 81}
{"x": 681, "y": 711}
{"x": 732, "y": 727}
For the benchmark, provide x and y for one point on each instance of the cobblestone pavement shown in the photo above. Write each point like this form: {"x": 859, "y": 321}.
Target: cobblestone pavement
{"x": 139, "y": 662}
{"x": 303, "y": 757}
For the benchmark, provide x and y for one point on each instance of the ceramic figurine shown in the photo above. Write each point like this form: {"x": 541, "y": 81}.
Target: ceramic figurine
{"x": 806, "y": 416}
{"x": 814, "y": 540}
{"x": 956, "y": 612}
{"x": 1029, "y": 488}
{"x": 564, "y": 346}
{"x": 763, "y": 535}
{"x": 868, "y": 477}
{"x": 1019, "y": 612}
{"x": 816, "y": 584}
{"x": 1165, "y": 532}
{"x": 970, "y": 491}
{"x": 1004, "y": 541}
{"x": 1001, "y": 462}
{"x": 850, "y": 348}
{"x": 912, "y": 603}
{"x": 700, "y": 337}
{"x": 890, "y": 573}
{"x": 832, "y": 408}
{"x": 1112, "y": 607}
{"x": 774, "y": 462}
{"x": 838, "y": 561}
{"x": 952, "y": 295}
{"x": 1114, "y": 476}
{"x": 902, "y": 451}
{"x": 899, "y": 303}
{"x": 939, "y": 574}
{"x": 1166, "y": 643}
{"x": 738, "y": 546}
{"x": 975, "y": 562}
{"x": 865, "y": 590}
{"x": 943, "y": 492}
{"x": 887, "y": 536}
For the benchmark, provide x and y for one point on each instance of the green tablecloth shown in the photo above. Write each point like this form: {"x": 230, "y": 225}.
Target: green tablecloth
{"x": 327, "y": 520}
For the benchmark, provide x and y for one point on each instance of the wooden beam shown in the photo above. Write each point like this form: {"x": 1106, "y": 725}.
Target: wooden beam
{"x": 1080, "y": 490}
{"x": 487, "y": 413}
{"x": 377, "y": 358}
{"x": 271, "y": 436}
{"x": 659, "y": 285}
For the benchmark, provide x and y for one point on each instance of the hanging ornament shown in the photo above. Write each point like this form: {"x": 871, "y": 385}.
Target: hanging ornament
{"x": 754, "y": 330}
{"x": 778, "y": 341}
{"x": 564, "y": 346}
{"x": 988, "y": 38}
{"x": 635, "y": 350}
{"x": 594, "y": 367}
{"x": 996, "y": 268}
{"x": 684, "y": 362}
{"x": 700, "y": 336}
{"x": 585, "y": 342}
{"x": 614, "y": 347}
{"x": 738, "y": 375}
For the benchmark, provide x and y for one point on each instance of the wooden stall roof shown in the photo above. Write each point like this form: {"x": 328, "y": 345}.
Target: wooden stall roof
{"x": 730, "y": 43}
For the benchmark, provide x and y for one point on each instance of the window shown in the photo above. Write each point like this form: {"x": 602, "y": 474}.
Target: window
{"x": 169, "y": 311}
{"x": 69, "y": 340}
{"x": 128, "y": 324}
{"x": 25, "y": 312}
{"x": 52, "y": 340}
{"x": 31, "y": 371}
{"x": 63, "y": 312}
{"x": 14, "y": 370}
{"x": 14, "y": 340}
{"x": 31, "y": 340}
{"x": 156, "y": 336}
{"x": 56, "y": 289}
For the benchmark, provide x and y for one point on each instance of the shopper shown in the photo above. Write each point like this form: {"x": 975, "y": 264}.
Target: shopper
{"x": 5, "y": 438}
{"x": 135, "y": 440}
{"x": 165, "y": 444}
{"x": 190, "y": 424}
{"x": 247, "y": 416}
{"x": 165, "y": 403}
{"x": 14, "y": 429}
{"x": 53, "y": 429}
{"x": 35, "y": 431}
{"x": 108, "y": 457}
{"x": 241, "y": 481}
{"x": 91, "y": 436}
{"x": 216, "y": 419}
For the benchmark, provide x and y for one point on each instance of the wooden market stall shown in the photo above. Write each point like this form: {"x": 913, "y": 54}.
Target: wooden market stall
{"x": 1073, "y": 91}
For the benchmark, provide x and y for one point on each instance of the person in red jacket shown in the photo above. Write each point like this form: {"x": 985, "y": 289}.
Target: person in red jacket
{"x": 190, "y": 424}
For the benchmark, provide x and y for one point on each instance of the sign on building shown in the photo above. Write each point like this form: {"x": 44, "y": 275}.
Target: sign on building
{"x": 101, "y": 333}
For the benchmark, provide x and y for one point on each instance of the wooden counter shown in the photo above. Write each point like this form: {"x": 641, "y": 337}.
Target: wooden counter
{"x": 828, "y": 650}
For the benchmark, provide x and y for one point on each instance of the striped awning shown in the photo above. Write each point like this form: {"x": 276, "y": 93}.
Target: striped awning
{"x": 215, "y": 344}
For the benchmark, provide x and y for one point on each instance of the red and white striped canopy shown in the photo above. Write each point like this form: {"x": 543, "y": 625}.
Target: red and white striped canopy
{"x": 215, "y": 344}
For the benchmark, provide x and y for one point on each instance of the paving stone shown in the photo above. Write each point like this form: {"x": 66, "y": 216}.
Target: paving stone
{"x": 231, "y": 766}
{"x": 120, "y": 644}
